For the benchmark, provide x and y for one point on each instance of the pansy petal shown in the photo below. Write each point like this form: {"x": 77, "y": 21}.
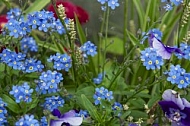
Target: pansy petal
{"x": 166, "y": 105}
{"x": 56, "y": 122}
{"x": 71, "y": 113}
{"x": 56, "y": 112}
{"x": 171, "y": 95}
{"x": 186, "y": 121}
{"x": 74, "y": 121}
{"x": 186, "y": 103}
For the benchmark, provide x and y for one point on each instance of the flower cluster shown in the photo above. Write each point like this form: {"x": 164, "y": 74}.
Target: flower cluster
{"x": 61, "y": 62}
{"x": 150, "y": 58}
{"x": 3, "y": 112}
{"x": 53, "y": 102}
{"x": 28, "y": 44}
{"x": 111, "y": 3}
{"x": 48, "y": 82}
{"x": 40, "y": 20}
{"x": 178, "y": 75}
{"x": 18, "y": 61}
{"x": 176, "y": 109}
{"x": 185, "y": 48}
{"x": 98, "y": 80}
{"x": 88, "y": 48}
{"x": 102, "y": 94}
{"x": 171, "y": 3}
{"x": 27, "y": 120}
{"x": 22, "y": 93}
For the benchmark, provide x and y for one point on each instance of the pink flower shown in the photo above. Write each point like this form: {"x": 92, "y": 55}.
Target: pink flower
{"x": 3, "y": 21}
{"x": 70, "y": 10}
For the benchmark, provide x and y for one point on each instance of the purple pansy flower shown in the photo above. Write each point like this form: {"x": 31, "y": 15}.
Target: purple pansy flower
{"x": 164, "y": 51}
{"x": 176, "y": 109}
{"x": 68, "y": 118}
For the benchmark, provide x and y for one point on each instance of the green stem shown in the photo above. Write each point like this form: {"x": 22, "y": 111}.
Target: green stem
{"x": 100, "y": 40}
{"x": 106, "y": 38}
{"x": 124, "y": 29}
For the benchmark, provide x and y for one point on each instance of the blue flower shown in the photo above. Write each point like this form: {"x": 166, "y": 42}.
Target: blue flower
{"x": 185, "y": 48}
{"x": 117, "y": 108}
{"x": 98, "y": 80}
{"x": 13, "y": 59}
{"x": 61, "y": 62}
{"x": 156, "y": 32}
{"x": 102, "y": 94}
{"x": 168, "y": 7}
{"x": 113, "y": 3}
{"x": 133, "y": 124}
{"x": 27, "y": 120}
{"x": 14, "y": 13}
{"x": 150, "y": 58}
{"x": 33, "y": 65}
{"x": 177, "y": 2}
{"x": 48, "y": 82}
{"x": 178, "y": 75}
{"x": 102, "y": 1}
{"x": 82, "y": 113}
{"x": 57, "y": 26}
{"x": 33, "y": 21}
{"x": 44, "y": 26}
{"x": 43, "y": 121}
{"x": 68, "y": 118}
{"x": 176, "y": 109}
{"x": 53, "y": 102}
{"x": 22, "y": 93}
{"x": 3, "y": 112}
{"x": 28, "y": 44}
{"x": 89, "y": 49}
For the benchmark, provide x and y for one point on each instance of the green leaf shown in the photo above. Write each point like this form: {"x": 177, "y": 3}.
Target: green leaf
{"x": 11, "y": 104}
{"x": 90, "y": 108}
{"x": 114, "y": 46}
{"x": 138, "y": 114}
{"x": 153, "y": 100}
{"x": 137, "y": 102}
{"x": 7, "y": 3}
{"x": 37, "y": 5}
{"x": 80, "y": 31}
{"x": 134, "y": 40}
{"x": 2, "y": 67}
{"x": 34, "y": 103}
{"x": 140, "y": 11}
{"x": 125, "y": 114}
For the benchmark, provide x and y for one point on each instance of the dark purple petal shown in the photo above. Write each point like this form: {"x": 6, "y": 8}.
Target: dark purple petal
{"x": 150, "y": 39}
{"x": 171, "y": 95}
{"x": 186, "y": 121}
{"x": 173, "y": 49}
{"x": 56, "y": 112}
{"x": 166, "y": 105}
